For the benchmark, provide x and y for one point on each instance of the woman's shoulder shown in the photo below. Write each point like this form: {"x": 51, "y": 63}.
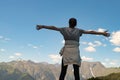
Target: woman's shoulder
{"x": 78, "y": 28}
{"x": 66, "y": 28}
{"x": 63, "y": 28}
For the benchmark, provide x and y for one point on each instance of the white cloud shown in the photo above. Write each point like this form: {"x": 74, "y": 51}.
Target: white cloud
{"x": 107, "y": 59}
{"x": 117, "y": 49}
{"x": 91, "y": 44}
{"x": 4, "y": 38}
{"x": 115, "y": 38}
{"x": 84, "y": 43}
{"x": 98, "y": 43}
{"x": 55, "y": 58}
{"x": 29, "y": 44}
{"x": 104, "y": 45}
{"x": 11, "y": 57}
{"x": 104, "y": 63}
{"x": 101, "y": 30}
{"x": 84, "y": 58}
{"x": 94, "y": 44}
{"x": 7, "y": 39}
{"x": 111, "y": 63}
{"x": 33, "y": 46}
{"x": 1, "y": 37}
{"x": 18, "y": 54}
{"x": 63, "y": 41}
{"x": 2, "y": 50}
{"x": 90, "y": 49}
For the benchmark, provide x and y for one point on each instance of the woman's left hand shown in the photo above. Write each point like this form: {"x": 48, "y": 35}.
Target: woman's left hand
{"x": 38, "y": 27}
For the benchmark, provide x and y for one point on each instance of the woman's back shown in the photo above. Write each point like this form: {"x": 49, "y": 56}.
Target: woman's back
{"x": 71, "y": 33}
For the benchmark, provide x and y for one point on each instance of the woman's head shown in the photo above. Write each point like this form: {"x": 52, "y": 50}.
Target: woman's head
{"x": 72, "y": 22}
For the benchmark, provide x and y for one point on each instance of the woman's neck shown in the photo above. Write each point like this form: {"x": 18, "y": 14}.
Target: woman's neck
{"x": 71, "y": 27}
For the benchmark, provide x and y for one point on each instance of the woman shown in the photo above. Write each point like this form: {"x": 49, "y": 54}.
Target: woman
{"x": 70, "y": 51}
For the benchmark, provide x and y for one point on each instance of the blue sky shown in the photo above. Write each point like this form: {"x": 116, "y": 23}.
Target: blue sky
{"x": 20, "y": 40}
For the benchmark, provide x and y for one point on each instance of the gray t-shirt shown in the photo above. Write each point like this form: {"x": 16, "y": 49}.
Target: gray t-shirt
{"x": 71, "y": 33}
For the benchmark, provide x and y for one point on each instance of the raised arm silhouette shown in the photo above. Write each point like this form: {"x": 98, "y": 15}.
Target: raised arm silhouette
{"x": 70, "y": 52}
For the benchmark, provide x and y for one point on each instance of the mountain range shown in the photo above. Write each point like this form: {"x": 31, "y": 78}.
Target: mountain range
{"x": 29, "y": 70}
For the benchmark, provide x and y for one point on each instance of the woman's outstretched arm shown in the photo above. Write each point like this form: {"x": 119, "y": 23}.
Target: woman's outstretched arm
{"x": 38, "y": 27}
{"x": 105, "y": 33}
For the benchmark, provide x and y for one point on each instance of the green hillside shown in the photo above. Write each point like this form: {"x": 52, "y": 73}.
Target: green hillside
{"x": 112, "y": 76}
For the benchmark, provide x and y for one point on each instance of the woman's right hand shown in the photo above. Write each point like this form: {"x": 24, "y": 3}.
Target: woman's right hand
{"x": 106, "y": 33}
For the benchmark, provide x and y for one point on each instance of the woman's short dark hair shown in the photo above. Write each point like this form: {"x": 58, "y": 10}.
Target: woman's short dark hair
{"x": 72, "y": 22}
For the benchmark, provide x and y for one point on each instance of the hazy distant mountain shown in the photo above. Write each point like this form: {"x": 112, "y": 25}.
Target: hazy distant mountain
{"x": 7, "y": 72}
{"x": 28, "y": 70}
{"x": 89, "y": 69}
